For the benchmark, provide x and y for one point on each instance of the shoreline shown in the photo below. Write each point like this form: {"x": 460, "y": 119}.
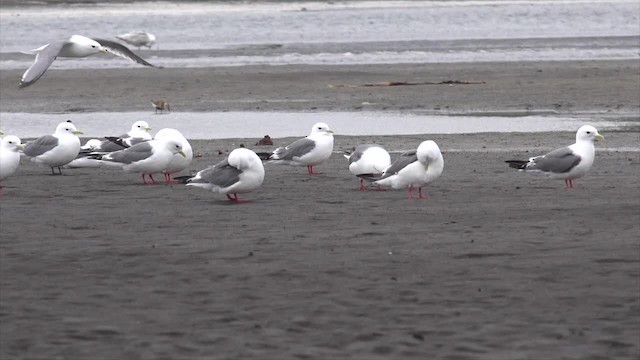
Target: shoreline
{"x": 564, "y": 87}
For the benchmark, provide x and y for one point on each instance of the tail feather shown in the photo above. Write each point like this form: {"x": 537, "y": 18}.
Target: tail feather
{"x": 117, "y": 140}
{"x": 183, "y": 179}
{"x": 264, "y": 155}
{"x": 517, "y": 164}
{"x": 370, "y": 177}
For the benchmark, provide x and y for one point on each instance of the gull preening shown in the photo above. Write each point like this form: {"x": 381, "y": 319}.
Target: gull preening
{"x": 241, "y": 172}
{"x": 55, "y": 150}
{"x": 567, "y": 163}
{"x": 76, "y": 46}
{"x": 415, "y": 168}
{"x": 146, "y": 158}
{"x": 10, "y": 147}
{"x": 367, "y": 160}
{"x": 138, "y": 38}
{"x": 309, "y": 151}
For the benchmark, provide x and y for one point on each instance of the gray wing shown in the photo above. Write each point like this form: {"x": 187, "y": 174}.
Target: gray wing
{"x": 122, "y": 51}
{"x": 43, "y": 60}
{"x": 359, "y": 150}
{"x": 135, "y": 153}
{"x": 297, "y": 148}
{"x": 109, "y": 146}
{"x": 400, "y": 163}
{"x": 558, "y": 161}
{"x": 221, "y": 174}
{"x": 40, "y": 145}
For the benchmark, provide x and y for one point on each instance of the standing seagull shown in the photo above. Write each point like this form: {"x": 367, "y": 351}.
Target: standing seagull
{"x": 76, "y": 46}
{"x": 309, "y": 151}
{"x": 139, "y": 132}
{"x": 55, "y": 150}
{"x": 241, "y": 172}
{"x": 10, "y": 148}
{"x": 138, "y": 38}
{"x": 415, "y": 168}
{"x": 177, "y": 163}
{"x": 367, "y": 160}
{"x": 146, "y": 158}
{"x": 567, "y": 163}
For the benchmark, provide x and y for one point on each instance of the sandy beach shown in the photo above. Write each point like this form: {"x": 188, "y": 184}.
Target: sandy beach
{"x": 496, "y": 265}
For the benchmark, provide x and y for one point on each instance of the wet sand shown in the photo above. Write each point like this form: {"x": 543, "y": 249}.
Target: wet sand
{"x": 565, "y": 87}
{"x": 496, "y": 265}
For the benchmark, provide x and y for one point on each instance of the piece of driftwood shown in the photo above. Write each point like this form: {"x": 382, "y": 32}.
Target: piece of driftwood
{"x": 408, "y": 83}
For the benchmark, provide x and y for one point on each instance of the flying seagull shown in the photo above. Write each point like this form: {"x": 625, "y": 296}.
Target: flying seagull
{"x": 76, "y": 46}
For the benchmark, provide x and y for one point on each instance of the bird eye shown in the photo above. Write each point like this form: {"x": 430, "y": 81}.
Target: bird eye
{"x": 588, "y": 132}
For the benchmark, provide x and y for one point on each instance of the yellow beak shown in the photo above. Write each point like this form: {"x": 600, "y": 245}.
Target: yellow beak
{"x": 182, "y": 153}
{"x": 599, "y": 137}
{"x": 77, "y": 132}
{"x": 21, "y": 147}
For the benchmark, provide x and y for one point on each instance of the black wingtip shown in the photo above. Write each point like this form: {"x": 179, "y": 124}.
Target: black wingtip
{"x": 117, "y": 140}
{"x": 183, "y": 179}
{"x": 517, "y": 164}
{"x": 264, "y": 155}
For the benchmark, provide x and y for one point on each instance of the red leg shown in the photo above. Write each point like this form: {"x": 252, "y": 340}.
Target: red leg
{"x": 362, "y": 187}
{"x": 310, "y": 170}
{"x": 235, "y": 199}
{"x": 410, "y": 189}
{"x": 422, "y": 197}
{"x": 568, "y": 183}
{"x": 169, "y": 180}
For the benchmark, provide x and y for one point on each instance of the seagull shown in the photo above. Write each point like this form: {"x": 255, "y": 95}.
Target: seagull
{"x": 76, "y": 46}
{"x": 147, "y": 158}
{"x": 55, "y": 150}
{"x": 241, "y": 172}
{"x": 367, "y": 160}
{"x": 138, "y": 38}
{"x": 567, "y": 163}
{"x": 309, "y": 151}
{"x": 415, "y": 168}
{"x": 177, "y": 163}
{"x": 139, "y": 132}
{"x": 161, "y": 105}
{"x": 10, "y": 148}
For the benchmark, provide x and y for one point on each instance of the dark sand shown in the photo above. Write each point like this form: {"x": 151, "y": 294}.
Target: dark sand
{"x": 497, "y": 265}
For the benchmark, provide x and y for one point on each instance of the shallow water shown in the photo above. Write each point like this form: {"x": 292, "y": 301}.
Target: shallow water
{"x": 220, "y": 125}
{"x": 357, "y": 32}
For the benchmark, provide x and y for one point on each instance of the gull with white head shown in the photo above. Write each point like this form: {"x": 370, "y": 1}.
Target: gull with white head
{"x": 567, "y": 163}
{"x": 55, "y": 150}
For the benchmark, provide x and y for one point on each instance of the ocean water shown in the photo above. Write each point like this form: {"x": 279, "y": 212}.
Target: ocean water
{"x": 347, "y": 32}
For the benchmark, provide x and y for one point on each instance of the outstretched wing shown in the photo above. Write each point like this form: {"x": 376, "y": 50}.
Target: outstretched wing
{"x": 122, "y": 51}
{"x": 43, "y": 60}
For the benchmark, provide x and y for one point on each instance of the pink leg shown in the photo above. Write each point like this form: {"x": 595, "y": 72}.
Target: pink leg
{"x": 169, "y": 180}
{"x": 362, "y": 187}
{"x": 235, "y": 199}
{"x": 420, "y": 193}
{"x": 410, "y": 189}
{"x": 310, "y": 170}
{"x": 568, "y": 183}
{"x": 153, "y": 182}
